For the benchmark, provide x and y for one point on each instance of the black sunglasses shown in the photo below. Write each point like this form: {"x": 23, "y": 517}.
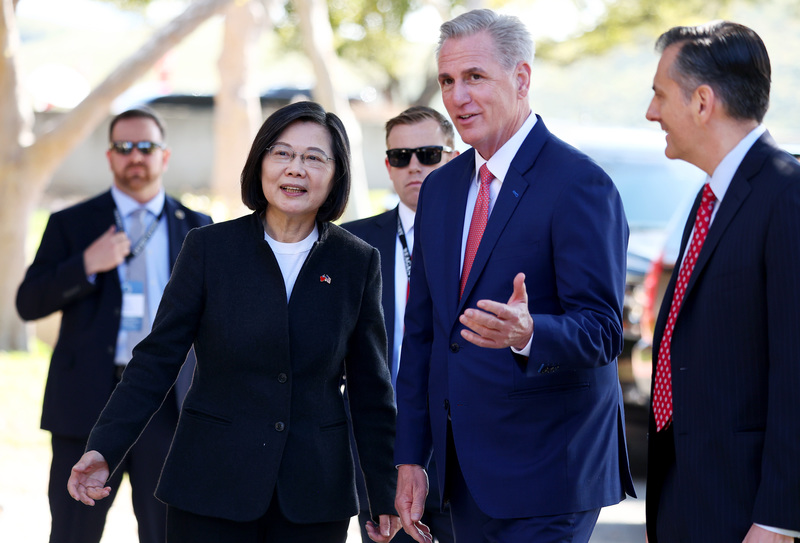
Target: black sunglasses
{"x": 430, "y": 155}
{"x": 127, "y": 147}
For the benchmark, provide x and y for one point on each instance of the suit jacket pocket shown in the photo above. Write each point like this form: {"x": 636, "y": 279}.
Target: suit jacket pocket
{"x": 205, "y": 417}
{"x": 558, "y": 388}
{"x": 336, "y": 425}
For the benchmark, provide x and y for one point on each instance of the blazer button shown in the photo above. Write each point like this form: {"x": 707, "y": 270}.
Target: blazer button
{"x": 282, "y": 378}
{"x": 447, "y": 405}
{"x": 454, "y": 347}
{"x": 279, "y": 426}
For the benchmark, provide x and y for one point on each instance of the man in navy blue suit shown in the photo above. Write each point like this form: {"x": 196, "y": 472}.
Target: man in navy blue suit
{"x": 723, "y": 450}
{"x": 513, "y": 326}
{"x": 82, "y": 269}
{"x": 418, "y": 140}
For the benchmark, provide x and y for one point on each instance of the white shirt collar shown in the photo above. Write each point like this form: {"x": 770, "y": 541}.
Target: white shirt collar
{"x": 406, "y": 217}
{"x": 501, "y": 160}
{"x": 127, "y": 205}
{"x": 723, "y": 174}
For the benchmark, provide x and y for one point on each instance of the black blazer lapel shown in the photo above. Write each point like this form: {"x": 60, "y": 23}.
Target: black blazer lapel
{"x": 454, "y": 221}
{"x": 735, "y": 196}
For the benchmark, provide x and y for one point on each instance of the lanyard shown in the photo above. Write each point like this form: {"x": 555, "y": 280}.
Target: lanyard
{"x": 406, "y": 255}
{"x": 138, "y": 247}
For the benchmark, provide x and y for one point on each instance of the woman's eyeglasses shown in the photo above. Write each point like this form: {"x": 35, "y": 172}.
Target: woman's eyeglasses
{"x": 430, "y": 155}
{"x": 127, "y": 147}
{"x": 311, "y": 159}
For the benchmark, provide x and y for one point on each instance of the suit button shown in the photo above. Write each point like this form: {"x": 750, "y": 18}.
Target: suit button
{"x": 110, "y": 350}
{"x": 454, "y": 347}
{"x": 279, "y": 426}
{"x": 116, "y": 312}
{"x": 447, "y": 405}
{"x": 282, "y": 378}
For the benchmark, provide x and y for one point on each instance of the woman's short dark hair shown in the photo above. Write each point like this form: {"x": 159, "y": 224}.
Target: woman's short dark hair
{"x": 728, "y": 57}
{"x": 252, "y": 191}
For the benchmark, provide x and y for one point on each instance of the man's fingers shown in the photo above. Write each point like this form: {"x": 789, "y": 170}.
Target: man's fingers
{"x": 520, "y": 293}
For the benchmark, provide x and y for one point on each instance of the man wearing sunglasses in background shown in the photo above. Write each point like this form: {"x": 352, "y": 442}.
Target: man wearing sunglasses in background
{"x": 419, "y": 140}
{"x": 104, "y": 263}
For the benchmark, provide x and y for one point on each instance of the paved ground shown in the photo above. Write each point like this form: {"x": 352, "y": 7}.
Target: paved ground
{"x": 25, "y": 460}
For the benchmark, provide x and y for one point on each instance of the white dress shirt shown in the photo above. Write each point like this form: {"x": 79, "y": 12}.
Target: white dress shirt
{"x": 157, "y": 250}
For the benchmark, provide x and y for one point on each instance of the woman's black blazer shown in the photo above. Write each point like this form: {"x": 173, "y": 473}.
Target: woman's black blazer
{"x": 265, "y": 414}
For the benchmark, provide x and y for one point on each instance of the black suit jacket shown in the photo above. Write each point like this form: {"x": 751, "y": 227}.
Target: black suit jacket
{"x": 81, "y": 376}
{"x": 265, "y": 413}
{"x": 736, "y": 362}
{"x": 380, "y": 231}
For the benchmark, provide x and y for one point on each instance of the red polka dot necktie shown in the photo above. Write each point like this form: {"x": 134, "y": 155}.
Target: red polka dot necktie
{"x": 480, "y": 216}
{"x": 662, "y": 394}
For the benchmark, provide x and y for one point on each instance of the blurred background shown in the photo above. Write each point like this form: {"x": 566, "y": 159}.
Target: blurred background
{"x": 216, "y": 68}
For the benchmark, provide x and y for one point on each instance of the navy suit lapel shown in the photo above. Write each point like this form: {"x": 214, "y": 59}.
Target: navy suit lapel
{"x": 105, "y": 218}
{"x": 454, "y": 224}
{"x": 735, "y": 196}
{"x": 514, "y": 186}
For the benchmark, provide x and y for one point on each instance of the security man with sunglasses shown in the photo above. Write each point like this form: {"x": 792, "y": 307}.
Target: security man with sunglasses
{"x": 419, "y": 140}
{"x": 104, "y": 264}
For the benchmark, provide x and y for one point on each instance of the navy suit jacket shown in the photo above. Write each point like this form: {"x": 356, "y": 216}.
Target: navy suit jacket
{"x": 265, "y": 413}
{"x": 537, "y": 437}
{"x": 736, "y": 361}
{"x": 82, "y": 372}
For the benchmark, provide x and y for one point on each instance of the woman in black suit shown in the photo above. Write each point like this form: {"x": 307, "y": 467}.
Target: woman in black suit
{"x": 279, "y": 305}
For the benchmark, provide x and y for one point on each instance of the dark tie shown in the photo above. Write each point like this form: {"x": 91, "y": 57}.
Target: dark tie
{"x": 137, "y": 272}
{"x": 480, "y": 216}
{"x": 662, "y": 394}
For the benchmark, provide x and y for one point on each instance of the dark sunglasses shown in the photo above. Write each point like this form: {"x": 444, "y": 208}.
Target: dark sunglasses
{"x": 399, "y": 158}
{"x": 127, "y": 147}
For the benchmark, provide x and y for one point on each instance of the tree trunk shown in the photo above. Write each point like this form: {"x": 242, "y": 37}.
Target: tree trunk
{"x": 237, "y": 107}
{"x": 27, "y": 164}
{"x": 318, "y": 43}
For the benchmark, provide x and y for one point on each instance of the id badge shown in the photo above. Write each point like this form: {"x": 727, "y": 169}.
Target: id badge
{"x": 132, "y": 306}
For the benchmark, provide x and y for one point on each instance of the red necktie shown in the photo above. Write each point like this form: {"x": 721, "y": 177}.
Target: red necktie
{"x": 480, "y": 216}
{"x": 662, "y": 395}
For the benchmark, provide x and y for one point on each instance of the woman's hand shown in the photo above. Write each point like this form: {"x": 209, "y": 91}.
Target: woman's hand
{"x": 88, "y": 478}
{"x": 390, "y": 525}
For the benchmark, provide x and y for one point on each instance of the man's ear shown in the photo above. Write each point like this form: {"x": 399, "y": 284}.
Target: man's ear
{"x": 523, "y": 77}
{"x": 704, "y": 102}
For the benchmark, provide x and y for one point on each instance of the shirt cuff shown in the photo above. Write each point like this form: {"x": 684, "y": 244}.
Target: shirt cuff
{"x": 791, "y": 533}
{"x": 525, "y": 351}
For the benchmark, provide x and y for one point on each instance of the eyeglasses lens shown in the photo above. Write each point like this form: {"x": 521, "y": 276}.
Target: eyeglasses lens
{"x": 127, "y": 147}
{"x": 428, "y": 156}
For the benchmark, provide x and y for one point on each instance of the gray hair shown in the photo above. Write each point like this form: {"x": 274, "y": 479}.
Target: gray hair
{"x": 512, "y": 40}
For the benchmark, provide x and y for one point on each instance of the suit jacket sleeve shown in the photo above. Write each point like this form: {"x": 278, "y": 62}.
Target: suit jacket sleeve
{"x": 589, "y": 244}
{"x": 157, "y": 360}
{"x": 778, "y": 497}
{"x": 56, "y": 278}
{"x": 370, "y": 396}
